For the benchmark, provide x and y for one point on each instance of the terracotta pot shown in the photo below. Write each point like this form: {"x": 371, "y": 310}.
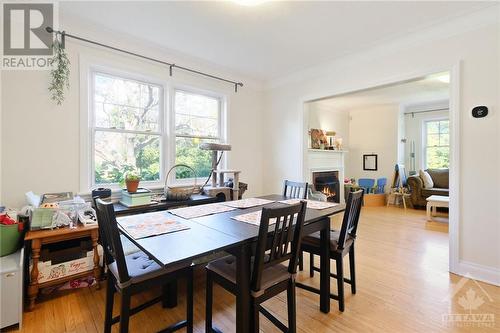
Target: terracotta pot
{"x": 132, "y": 185}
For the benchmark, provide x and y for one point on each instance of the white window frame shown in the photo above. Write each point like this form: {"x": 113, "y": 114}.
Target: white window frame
{"x": 88, "y": 128}
{"x": 222, "y": 128}
{"x": 424, "y": 136}
{"x": 90, "y": 64}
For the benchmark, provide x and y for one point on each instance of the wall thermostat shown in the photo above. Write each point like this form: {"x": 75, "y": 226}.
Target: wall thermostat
{"x": 480, "y": 111}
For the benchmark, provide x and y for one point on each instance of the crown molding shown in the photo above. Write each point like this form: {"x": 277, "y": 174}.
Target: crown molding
{"x": 453, "y": 27}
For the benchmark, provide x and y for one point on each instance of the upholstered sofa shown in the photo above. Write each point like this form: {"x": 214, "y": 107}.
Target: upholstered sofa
{"x": 419, "y": 193}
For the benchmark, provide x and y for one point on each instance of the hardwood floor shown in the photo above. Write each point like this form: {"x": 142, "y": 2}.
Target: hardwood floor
{"x": 403, "y": 286}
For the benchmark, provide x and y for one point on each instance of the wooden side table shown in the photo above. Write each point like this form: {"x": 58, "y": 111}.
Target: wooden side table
{"x": 41, "y": 237}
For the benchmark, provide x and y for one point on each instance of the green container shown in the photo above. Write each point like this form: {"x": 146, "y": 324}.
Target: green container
{"x": 9, "y": 239}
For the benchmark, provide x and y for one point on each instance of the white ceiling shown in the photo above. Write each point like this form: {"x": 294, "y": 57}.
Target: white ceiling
{"x": 269, "y": 40}
{"x": 422, "y": 91}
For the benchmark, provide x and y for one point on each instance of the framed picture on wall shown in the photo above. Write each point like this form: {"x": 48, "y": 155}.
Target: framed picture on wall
{"x": 370, "y": 162}
{"x": 318, "y": 138}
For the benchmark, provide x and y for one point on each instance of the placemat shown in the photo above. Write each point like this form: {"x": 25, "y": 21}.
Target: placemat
{"x": 201, "y": 210}
{"x": 313, "y": 204}
{"x": 252, "y": 218}
{"x": 145, "y": 225}
{"x": 247, "y": 203}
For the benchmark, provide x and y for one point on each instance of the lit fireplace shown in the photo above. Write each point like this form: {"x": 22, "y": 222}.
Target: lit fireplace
{"x": 328, "y": 183}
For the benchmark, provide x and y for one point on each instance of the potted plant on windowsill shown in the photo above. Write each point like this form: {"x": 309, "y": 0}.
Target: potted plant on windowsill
{"x": 132, "y": 180}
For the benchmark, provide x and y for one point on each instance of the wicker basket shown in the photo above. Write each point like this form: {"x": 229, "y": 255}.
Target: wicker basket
{"x": 180, "y": 193}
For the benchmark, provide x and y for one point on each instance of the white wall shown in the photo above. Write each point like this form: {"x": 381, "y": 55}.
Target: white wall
{"x": 373, "y": 131}
{"x": 40, "y": 146}
{"x": 472, "y": 42}
{"x": 330, "y": 119}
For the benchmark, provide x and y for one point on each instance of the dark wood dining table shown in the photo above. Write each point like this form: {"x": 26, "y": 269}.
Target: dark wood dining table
{"x": 219, "y": 232}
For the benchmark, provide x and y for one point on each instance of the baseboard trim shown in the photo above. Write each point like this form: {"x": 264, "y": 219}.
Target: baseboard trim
{"x": 478, "y": 272}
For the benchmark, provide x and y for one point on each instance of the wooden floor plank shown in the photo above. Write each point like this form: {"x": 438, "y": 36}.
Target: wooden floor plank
{"x": 403, "y": 286}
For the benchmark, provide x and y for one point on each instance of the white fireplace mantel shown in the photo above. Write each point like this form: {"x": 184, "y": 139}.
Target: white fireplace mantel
{"x": 325, "y": 160}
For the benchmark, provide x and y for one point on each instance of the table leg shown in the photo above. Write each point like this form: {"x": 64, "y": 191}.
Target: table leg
{"x": 324, "y": 303}
{"x": 94, "y": 235}
{"x": 170, "y": 295}
{"x": 429, "y": 211}
{"x": 33, "y": 286}
{"x": 243, "y": 321}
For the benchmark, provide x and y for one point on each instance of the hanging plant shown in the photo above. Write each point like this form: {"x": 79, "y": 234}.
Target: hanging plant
{"x": 59, "y": 72}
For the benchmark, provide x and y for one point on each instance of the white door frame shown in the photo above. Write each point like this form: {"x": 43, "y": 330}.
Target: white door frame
{"x": 455, "y": 204}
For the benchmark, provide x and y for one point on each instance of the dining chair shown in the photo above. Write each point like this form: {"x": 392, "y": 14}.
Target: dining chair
{"x": 366, "y": 184}
{"x": 380, "y": 186}
{"x": 341, "y": 244}
{"x": 295, "y": 190}
{"x": 134, "y": 273}
{"x": 269, "y": 276}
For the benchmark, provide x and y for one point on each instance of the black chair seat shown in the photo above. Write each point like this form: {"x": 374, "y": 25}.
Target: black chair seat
{"x": 226, "y": 267}
{"x": 314, "y": 240}
{"x": 141, "y": 268}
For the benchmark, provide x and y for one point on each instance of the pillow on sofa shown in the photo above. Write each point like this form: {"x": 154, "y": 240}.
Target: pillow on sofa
{"x": 426, "y": 178}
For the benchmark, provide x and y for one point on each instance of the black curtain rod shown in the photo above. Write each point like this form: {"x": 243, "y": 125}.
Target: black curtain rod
{"x": 170, "y": 65}
{"x": 425, "y": 111}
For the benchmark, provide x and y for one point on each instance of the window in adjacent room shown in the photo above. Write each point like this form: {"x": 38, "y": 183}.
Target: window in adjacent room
{"x": 197, "y": 120}
{"x": 437, "y": 144}
{"x": 126, "y": 128}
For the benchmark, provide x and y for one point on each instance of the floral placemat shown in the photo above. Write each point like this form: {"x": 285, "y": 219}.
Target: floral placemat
{"x": 313, "y": 204}
{"x": 201, "y": 210}
{"x": 146, "y": 225}
{"x": 247, "y": 203}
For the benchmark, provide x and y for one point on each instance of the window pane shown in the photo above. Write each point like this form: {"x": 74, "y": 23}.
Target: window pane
{"x": 438, "y": 157}
{"x": 444, "y": 139}
{"x": 444, "y": 126}
{"x": 432, "y": 127}
{"x": 125, "y": 104}
{"x": 196, "y": 126}
{"x": 196, "y": 114}
{"x": 188, "y": 152}
{"x": 129, "y": 118}
{"x": 117, "y": 153}
{"x": 432, "y": 140}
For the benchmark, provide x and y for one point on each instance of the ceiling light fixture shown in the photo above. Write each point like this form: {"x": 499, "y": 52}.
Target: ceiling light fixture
{"x": 249, "y": 3}
{"x": 441, "y": 77}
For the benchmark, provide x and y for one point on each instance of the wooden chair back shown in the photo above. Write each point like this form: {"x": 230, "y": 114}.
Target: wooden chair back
{"x": 111, "y": 242}
{"x": 284, "y": 243}
{"x": 295, "y": 190}
{"x": 351, "y": 217}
